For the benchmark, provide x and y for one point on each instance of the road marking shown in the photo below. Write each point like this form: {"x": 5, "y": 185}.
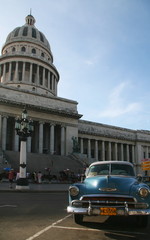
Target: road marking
{"x": 97, "y": 230}
{"x": 8, "y": 206}
{"x": 53, "y": 225}
{"x": 47, "y": 228}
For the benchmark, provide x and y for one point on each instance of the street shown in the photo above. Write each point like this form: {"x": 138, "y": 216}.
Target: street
{"x": 43, "y": 216}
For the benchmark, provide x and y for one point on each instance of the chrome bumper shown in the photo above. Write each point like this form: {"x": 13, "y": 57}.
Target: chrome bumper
{"x": 120, "y": 211}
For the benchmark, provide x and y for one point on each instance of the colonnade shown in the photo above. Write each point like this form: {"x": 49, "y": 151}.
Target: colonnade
{"x": 50, "y": 137}
{"x": 107, "y": 150}
{"x": 27, "y": 72}
{"x": 43, "y": 138}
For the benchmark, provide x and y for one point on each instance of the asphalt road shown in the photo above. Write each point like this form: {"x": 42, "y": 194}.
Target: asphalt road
{"x": 42, "y": 216}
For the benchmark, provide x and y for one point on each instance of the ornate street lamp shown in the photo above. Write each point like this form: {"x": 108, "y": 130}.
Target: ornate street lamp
{"x": 24, "y": 128}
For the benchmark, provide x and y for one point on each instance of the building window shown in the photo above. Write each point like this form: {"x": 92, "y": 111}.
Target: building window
{"x": 20, "y": 76}
{"x": 41, "y": 75}
{"x": 41, "y": 37}
{"x": 16, "y": 32}
{"x": 33, "y": 51}
{"x": 42, "y": 54}
{"x": 25, "y": 31}
{"x": 12, "y": 76}
{"x": 33, "y": 33}
{"x": 23, "y": 49}
{"x": 13, "y": 49}
{"x": 34, "y": 72}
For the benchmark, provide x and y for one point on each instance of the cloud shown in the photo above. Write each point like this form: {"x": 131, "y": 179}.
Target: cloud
{"x": 118, "y": 105}
{"x": 89, "y": 62}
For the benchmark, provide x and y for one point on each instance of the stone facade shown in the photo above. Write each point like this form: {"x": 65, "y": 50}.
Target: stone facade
{"x": 29, "y": 79}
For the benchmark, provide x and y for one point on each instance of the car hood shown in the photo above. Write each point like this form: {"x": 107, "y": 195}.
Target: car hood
{"x": 109, "y": 184}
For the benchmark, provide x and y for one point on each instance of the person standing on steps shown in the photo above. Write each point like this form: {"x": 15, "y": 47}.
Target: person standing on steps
{"x": 11, "y": 177}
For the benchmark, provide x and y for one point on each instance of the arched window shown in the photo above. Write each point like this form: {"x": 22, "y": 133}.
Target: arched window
{"x": 33, "y": 51}
{"x": 42, "y": 54}
{"x": 23, "y": 49}
{"x": 25, "y": 31}
{"x": 16, "y": 32}
{"x": 13, "y": 49}
{"x": 33, "y": 33}
{"x": 41, "y": 37}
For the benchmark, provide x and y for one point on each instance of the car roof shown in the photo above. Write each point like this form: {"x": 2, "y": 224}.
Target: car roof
{"x": 109, "y": 162}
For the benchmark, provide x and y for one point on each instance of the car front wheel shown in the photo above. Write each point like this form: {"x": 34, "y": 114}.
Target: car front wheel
{"x": 78, "y": 218}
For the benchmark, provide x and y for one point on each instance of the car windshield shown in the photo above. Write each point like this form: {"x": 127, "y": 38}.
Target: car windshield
{"x": 111, "y": 169}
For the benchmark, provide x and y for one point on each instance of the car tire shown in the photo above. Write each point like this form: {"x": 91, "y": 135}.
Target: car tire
{"x": 142, "y": 221}
{"x": 78, "y": 218}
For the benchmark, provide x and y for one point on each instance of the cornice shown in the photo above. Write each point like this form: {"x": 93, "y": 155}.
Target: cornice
{"x": 60, "y": 112}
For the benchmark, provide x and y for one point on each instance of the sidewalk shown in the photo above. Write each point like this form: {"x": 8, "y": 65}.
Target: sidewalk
{"x": 33, "y": 187}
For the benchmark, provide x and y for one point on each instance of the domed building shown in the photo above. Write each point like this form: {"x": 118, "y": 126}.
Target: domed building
{"x": 29, "y": 79}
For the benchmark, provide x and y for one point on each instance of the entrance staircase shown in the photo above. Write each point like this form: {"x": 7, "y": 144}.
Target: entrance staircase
{"x": 41, "y": 162}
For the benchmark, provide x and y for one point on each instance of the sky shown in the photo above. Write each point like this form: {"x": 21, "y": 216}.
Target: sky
{"x": 101, "y": 49}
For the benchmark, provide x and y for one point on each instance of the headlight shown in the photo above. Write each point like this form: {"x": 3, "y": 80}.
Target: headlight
{"x": 74, "y": 191}
{"x": 144, "y": 192}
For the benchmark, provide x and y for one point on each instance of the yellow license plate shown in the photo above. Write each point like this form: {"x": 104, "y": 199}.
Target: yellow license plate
{"x": 108, "y": 211}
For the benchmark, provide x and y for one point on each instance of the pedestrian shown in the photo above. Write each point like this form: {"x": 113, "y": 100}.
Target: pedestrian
{"x": 35, "y": 177}
{"x": 11, "y": 177}
{"x": 39, "y": 175}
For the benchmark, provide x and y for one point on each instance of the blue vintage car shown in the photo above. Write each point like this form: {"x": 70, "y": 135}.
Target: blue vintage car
{"x": 110, "y": 189}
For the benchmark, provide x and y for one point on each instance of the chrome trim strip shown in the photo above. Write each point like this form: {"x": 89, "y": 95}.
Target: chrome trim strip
{"x": 88, "y": 211}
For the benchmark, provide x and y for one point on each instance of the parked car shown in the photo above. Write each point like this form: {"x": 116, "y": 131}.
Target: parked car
{"x": 110, "y": 188}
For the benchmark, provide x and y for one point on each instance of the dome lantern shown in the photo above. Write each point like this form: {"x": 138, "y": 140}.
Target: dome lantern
{"x": 30, "y": 20}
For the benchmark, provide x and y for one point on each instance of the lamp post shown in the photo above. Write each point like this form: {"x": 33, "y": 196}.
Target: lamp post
{"x": 24, "y": 128}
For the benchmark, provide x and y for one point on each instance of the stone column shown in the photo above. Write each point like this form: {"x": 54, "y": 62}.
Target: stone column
{"x": 52, "y": 138}
{"x": 53, "y": 82}
{"x": 55, "y": 85}
{"x": 31, "y": 70}
{"x": 16, "y": 144}
{"x": 89, "y": 148}
{"x": 96, "y": 150}
{"x": 116, "y": 151}
{"x": 103, "y": 150}
{"x": 109, "y": 150}
{"x": 62, "y": 140}
{"x": 40, "y": 137}
{"x": 4, "y": 72}
{"x": 43, "y": 77}
{"x": 16, "y": 72}
{"x": 146, "y": 152}
{"x": 23, "y": 72}
{"x": 10, "y": 69}
{"x": 127, "y": 152}
{"x": 122, "y": 155}
{"x": 133, "y": 154}
{"x": 49, "y": 80}
{"x": 81, "y": 145}
{"x": 4, "y": 133}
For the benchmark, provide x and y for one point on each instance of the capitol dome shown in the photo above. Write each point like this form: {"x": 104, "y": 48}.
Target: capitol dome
{"x": 29, "y": 33}
{"x": 27, "y": 61}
